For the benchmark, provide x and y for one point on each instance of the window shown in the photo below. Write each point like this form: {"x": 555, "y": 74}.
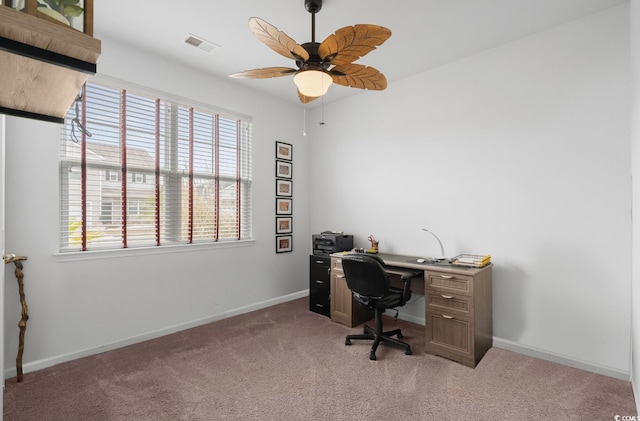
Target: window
{"x": 153, "y": 172}
{"x": 112, "y": 175}
{"x": 138, "y": 178}
{"x": 106, "y": 215}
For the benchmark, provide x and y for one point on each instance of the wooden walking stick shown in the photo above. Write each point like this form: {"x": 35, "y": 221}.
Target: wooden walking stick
{"x": 17, "y": 260}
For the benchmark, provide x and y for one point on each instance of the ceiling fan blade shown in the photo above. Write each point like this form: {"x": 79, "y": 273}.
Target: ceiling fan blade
{"x": 306, "y": 99}
{"x": 277, "y": 40}
{"x": 264, "y": 73}
{"x": 358, "y": 76}
{"x": 352, "y": 42}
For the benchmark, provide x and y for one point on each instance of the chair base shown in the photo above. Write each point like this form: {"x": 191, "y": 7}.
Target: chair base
{"x": 377, "y": 337}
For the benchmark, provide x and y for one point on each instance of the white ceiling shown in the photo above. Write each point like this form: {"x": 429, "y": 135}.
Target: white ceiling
{"x": 426, "y": 33}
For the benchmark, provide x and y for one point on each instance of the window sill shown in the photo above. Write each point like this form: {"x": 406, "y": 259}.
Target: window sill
{"x": 145, "y": 251}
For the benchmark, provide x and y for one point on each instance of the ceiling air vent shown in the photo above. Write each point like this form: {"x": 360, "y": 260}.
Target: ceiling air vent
{"x": 201, "y": 43}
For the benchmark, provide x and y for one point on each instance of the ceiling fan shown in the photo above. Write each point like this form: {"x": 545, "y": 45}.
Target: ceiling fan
{"x": 321, "y": 64}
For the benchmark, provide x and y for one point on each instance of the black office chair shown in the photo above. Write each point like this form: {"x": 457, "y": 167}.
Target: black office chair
{"x": 369, "y": 282}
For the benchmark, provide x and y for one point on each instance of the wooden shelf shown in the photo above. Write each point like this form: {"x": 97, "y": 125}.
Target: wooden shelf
{"x": 43, "y": 65}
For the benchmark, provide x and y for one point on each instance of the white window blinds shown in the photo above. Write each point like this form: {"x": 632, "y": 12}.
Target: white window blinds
{"x": 152, "y": 173}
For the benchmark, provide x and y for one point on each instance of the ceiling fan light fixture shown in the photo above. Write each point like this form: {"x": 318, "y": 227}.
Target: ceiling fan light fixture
{"x": 313, "y": 83}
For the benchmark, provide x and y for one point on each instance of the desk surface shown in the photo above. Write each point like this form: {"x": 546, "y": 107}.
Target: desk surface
{"x": 411, "y": 262}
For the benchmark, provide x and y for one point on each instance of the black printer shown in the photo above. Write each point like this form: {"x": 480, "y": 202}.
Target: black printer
{"x": 331, "y": 242}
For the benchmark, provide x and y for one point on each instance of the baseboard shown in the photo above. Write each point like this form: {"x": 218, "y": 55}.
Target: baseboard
{"x": 497, "y": 342}
{"x": 49, "y": 362}
{"x": 561, "y": 359}
{"x": 542, "y": 354}
{"x": 412, "y": 319}
{"x": 636, "y": 394}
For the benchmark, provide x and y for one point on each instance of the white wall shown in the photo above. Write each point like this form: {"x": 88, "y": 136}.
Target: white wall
{"x": 77, "y": 307}
{"x": 2, "y": 251}
{"x": 635, "y": 171}
{"x": 521, "y": 152}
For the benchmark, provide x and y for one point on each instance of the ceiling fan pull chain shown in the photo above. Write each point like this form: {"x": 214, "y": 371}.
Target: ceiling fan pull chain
{"x": 304, "y": 121}
{"x": 322, "y": 110}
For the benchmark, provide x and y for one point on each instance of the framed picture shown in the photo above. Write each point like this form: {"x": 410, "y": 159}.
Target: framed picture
{"x": 283, "y": 243}
{"x": 284, "y": 225}
{"x": 284, "y": 187}
{"x": 284, "y": 151}
{"x": 283, "y": 206}
{"x": 284, "y": 169}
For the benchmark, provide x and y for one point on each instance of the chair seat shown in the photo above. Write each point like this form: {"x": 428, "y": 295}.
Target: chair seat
{"x": 392, "y": 299}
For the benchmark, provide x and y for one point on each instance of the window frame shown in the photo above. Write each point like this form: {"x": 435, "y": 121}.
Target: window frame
{"x": 121, "y": 251}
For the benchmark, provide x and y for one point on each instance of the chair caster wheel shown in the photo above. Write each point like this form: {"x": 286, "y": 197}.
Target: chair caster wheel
{"x": 407, "y": 352}
{"x": 347, "y": 342}
{"x": 400, "y": 335}
{"x": 372, "y": 356}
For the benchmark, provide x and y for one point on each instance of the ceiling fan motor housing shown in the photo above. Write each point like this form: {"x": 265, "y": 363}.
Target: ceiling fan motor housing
{"x": 314, "y": 62}
{"x": 313, "y": 6}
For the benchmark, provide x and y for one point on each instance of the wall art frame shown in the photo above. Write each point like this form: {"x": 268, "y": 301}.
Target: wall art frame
{"x": 284, "y": 243}
{"x": 284, "y": 187}
{"x": 284, "y": 206}
{"x": 284, "y": 169}
{"x": 284, "y": 224}
{"x": 284, "y": 151}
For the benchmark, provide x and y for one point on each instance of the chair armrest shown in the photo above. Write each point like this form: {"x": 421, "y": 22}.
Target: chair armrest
{"x": 407, "y": 277}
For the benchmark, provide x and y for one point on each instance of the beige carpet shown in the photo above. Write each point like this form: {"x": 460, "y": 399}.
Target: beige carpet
{"x": 286, "y": 363}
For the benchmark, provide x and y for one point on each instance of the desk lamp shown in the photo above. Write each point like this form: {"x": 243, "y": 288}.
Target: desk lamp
{"x": 441, "y": 247}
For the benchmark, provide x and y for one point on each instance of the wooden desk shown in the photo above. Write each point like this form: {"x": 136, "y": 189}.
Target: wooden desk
{"x": 458, "y": 305}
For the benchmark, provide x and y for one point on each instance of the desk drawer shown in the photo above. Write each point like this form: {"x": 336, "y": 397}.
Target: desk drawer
{"x": 450, "y": 337}
{"x": 336, "y": 263}
{"x": 449, "y": 282}
{"x": 319, "y": 284}
{"x": 319, "y": 302}
{"x": 319, "y": 272}
{"x": 460, "y": 305}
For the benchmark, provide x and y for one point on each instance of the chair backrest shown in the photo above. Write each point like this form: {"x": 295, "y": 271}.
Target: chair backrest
{"x": 365, "y": 275}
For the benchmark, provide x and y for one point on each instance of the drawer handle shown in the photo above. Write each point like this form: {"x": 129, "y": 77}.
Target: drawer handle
{"x": 339, "y": 276}
{"x": 319, "y": 282}
{"x": 319, "y": 305}
{"x": 319, "y": 262}
{"x": 447, "y": 276}
{"x": 447, "y": 316}
{"x": 445, "y": 296}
